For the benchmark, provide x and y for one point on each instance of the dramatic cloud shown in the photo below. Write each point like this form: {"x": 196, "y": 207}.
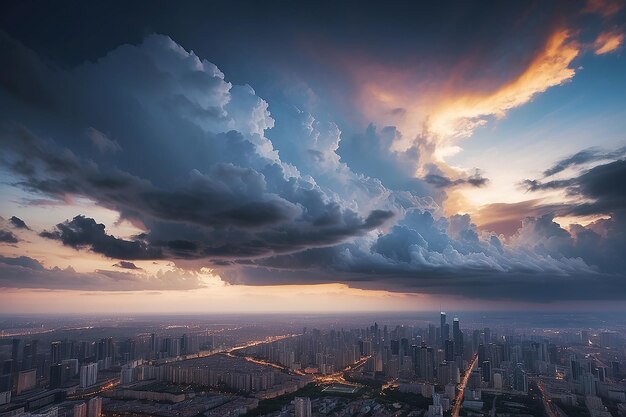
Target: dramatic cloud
{"x": 23, "y": 261}
{"x": 6, "y": 236}
{"x": 583, "y": 157}
{"x": 442, "y": 181}
{"x": 156, "y": 134}
{"x": 126, "y": 265}
{"x": 459, "y": 116}
{"x": 85, "y": 232}
{"x": 18, "y": 223}
{"x": 25, "y": 272}
{"x": 196, "y": 169}
{"x": 506, "y": 218}
{"x": 608, "y": 42}
{"x": 599, "y": 190}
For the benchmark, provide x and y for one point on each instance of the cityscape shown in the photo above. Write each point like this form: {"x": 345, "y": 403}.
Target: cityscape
{"x": 313, "y": 208}
{"x": 424, "y": 366}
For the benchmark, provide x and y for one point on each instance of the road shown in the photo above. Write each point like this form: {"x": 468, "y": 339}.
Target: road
{"x": 337, "y": 377}
{"x": 113, "y": 383}
{"x": 547, "y": 403}
{"x": 458, "y": 400}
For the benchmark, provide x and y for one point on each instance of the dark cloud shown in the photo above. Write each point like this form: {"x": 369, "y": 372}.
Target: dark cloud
{"x": 536, "y": 185}
{"x": 23, "y": 261}
{"x": 84, "y": 232}
{"x": 442, "y": 181}
{"x": 220, "y": 188}
{"x": 603, "y": 189}
{"x": 583, "y": 157}
{"x": 6, "y": 236}
{"x": 126, "y": 265}
{"x": 186, "y": 155}
{"x": 18, "y": 223}
{"x": 25, "y": 272}
{"x": 102, "y": 142}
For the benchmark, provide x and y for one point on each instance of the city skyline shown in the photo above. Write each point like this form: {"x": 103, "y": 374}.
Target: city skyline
{"x": 239, "y": 157}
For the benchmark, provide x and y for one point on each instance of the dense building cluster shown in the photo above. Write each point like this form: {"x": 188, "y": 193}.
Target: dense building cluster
{"x": 443, "y": 368}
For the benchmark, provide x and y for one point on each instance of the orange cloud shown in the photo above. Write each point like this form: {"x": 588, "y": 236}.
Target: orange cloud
{"x": 437, "y": 111}
{"x": 605, "y": 8}
{"x": 608, "y": 42}
{"x": 459, "y": 115}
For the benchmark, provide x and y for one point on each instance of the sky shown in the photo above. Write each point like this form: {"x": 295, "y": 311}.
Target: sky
{"x": 312, "y": 156}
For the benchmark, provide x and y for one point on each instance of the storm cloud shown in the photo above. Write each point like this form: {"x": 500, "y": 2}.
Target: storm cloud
{"x": 159, "y": 136}
{"x": 6, "y": 236}
{"x": 18, "y": 223}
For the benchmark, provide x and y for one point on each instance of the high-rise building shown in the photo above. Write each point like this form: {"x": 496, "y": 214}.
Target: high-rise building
{"x": 486, "y": 371}
{"x": 303, "y": 407}
{"x": 432, "y": 335}
{"x": 584, "y": 337}
{"x": 520, "y": 380}
{"x": 26, "y": 380}
{"x": 55, "y": 352}
{"x": 94, "y": 407}
{"x": 88, "y": 375}
{"x": 442, "y": 329}
{"x": 80, "y": 410}
{"x": 457, "y": 336}
{"x": 56, "y": 375}
{"x": 449, "y": 350}
{"x": 589, "y": 384}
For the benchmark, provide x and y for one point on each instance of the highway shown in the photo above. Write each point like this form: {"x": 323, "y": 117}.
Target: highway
{"x": 547, "y": 403}
{"x": 337, "y": 377}
{"x": 458, "y": 400}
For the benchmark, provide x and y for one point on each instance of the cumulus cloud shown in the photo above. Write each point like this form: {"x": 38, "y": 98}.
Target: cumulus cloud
{"x": 6, "y": 236}
{"x": 26, "y": 272}
{"x": 197, "y": 169}
{"x": 18, "y": 223}
{"x": 83, "y": 232}
{"x": 126, "y": 265}
{"x": 599, "y": 190}
{"x": 200, "y": 173}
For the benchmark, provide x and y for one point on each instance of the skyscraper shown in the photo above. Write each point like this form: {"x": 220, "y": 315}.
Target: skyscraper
{"x": 88, "y": 375}
{"x": 457, "y": 336}
{"x": 94, "y": 407}
{"x": 442, "y": 332}
{"x": 303, "y": 407}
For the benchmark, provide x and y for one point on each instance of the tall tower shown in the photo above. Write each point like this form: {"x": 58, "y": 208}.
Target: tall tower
{"x": 442, "y": 332}
{"x": 457, "y": 337}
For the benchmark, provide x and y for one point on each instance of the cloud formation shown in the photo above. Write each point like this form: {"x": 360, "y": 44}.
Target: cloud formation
{"x": 188, "y": 157}
{"x": 126, "y": 265}
{"x": 26, "y": 272}
{"x": 18, "y": 223}
{"x": 6, "y": 236}
{"x": 83, "y": 232}
{"x": 583, "y": 157}
{"x": 222, "y": 190}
